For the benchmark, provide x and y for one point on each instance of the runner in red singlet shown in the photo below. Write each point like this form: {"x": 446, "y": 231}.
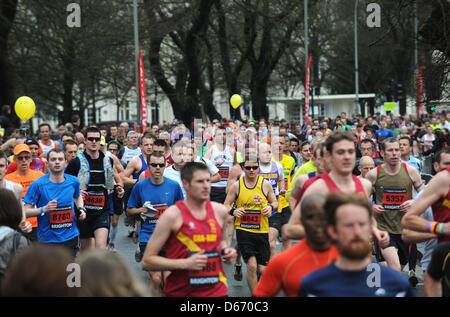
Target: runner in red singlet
{"x": 436, "y": 195}
{"x": 191, "y": 232}
{"x": 341, "y": 153}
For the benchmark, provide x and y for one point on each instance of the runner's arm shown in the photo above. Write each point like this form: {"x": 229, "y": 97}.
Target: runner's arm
{"x": 165, "y": 227}
{"x": 436, "y": 189}
{"x": 271, "y": 198}
{"x": 410, "y": 236}
{"x": 128, "y": 171}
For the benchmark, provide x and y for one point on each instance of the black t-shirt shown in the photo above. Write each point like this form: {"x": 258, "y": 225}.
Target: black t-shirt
{"x": 96, "y": 178}
{"x": 437, "y": 270}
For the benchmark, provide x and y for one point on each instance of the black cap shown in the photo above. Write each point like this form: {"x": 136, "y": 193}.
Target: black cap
{"x": 31, "y": 141}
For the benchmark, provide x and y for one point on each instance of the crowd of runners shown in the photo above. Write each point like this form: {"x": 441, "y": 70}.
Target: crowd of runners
{"x": 351, "y": 202}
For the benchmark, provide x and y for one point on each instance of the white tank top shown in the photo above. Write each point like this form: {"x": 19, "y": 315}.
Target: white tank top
{"x": 10, "y": 186}
{"x": 225, "y": 168}
{"x": 130, "y": 154}
{"x": 46, "y": 148}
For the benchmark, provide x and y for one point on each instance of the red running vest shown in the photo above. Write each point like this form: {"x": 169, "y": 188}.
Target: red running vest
{"x": 196, "y": 235}
{"x": 441, "y": 212}
{"x": 332, "y": 187}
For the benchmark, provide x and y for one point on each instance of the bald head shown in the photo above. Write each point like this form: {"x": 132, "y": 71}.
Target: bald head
{"x": 311, "y": 202}
{"x": 366, "y": 163}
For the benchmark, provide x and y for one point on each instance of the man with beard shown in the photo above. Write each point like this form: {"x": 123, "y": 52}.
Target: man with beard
{"x": 354, "y": 273}
{"x": 285, "y": 271}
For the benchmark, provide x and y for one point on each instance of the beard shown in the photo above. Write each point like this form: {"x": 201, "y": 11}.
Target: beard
{"x": 355, "y": 252}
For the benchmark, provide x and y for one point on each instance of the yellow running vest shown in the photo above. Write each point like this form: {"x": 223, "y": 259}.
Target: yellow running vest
{"x": 288, "y": 164}
{"x": 252, "y": 200}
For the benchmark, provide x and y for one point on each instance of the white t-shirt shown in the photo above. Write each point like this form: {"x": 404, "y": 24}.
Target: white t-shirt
{"x": 130, "y": 154}
{"x": 175, "y": 175}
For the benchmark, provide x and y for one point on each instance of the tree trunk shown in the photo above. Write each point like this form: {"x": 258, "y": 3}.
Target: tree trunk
{"x": 8, "y": 10}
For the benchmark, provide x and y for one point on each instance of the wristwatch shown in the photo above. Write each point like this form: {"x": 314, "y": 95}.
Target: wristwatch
{"x": 82, "y": 208}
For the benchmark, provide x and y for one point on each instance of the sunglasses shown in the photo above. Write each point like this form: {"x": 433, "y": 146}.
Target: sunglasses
{"x": 92, "y": 139}
{"x": 23, "y": 158}
{"x": 161, "y": 165}
{"x": 251, "y": 168}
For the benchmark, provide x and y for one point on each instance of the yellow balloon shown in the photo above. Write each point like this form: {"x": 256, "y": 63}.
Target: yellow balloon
{"x": 25, "y": 107}
{"x": 235, "y": 101}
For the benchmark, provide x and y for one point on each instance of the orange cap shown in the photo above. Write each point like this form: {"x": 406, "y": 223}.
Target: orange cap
{"x": 19, "y": 148}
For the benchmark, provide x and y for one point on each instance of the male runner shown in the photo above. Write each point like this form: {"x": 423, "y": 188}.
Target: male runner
{"x": 25, "y": 176}
{"x": 159, "y": 193}
{"x": 132, "y": 149}
{"x": 95, "y": 172}
{"x": 4, "y": 183}
{"x": 309, "y": 169}
{"x": 393, "y": 186}
{"x": 285, "y": 270}
{"x": 191, "y": 232}
{"x": 70, "y": 149}
{"x": 274, "y": 173}
{"x": 436, "y": 195}
{"x": 366, "y": 164}
{"x": 288, "y": 164}
{"x": 255, "y": 202}
{"x": 54, "y": 195}
{"x": 406, "y": 144}
{"x": 45, "y": 142}
{"x": 341, "y": 155}
{"x": 222, "y": 156}
{"x": 349, "y": 220}
{"x": 179, "y": 156}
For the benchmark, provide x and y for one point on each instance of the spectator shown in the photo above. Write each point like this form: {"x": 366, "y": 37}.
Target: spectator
{"x": 39, "y": 271}
{"x": 107, "y": 274}
{"x": 11, "y": 240}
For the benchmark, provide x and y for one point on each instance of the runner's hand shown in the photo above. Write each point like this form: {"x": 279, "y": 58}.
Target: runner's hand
{"x": 82, "y": 215}
{"x": 378, "y": 209}
{"x": 51, "y": 205}
{"x": 239, "y": 212}
{"x": 406, "y": 205}
{"x": 197, "y": 261}
{"x": 381, "y": 236}
{"x": 266, "y": 211}
{"x": 25, "y": 226}
{"x": 229, "y": 255}
{"x": 120, "y": 192}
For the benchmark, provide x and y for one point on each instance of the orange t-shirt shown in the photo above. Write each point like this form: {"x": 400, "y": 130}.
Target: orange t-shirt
{"x": 286, "y": 270}
{"x": 25, "y": 181}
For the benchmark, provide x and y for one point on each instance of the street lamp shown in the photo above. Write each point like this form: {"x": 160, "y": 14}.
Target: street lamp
{"x": 357, "y": 108}
{"x": 136, "y": 50}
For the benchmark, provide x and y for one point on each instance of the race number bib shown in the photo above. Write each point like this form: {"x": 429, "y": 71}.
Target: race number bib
{"x": 210, "y": 273}
{"x": 393, "y": 198}
{"x": 94, "y": 201}
{"x": 251, "y": 220}
{"x": 61, "y": 218}
{"x": 224, "y": 172}
{"x": 161, "y": 207}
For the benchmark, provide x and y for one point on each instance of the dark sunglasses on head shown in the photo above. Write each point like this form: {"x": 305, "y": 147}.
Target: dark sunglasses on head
{"x": 251, "y": 168}
{"x": 92, "y": 139}
{"x": 156, "y": 164}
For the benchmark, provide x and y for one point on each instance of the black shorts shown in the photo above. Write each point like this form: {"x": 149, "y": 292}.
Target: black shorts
{"x": 254, "y": 244}
{"x": 218, "y": 194}
{"x": 395, "y": 240}
{"x": 73, "y": 245}
{"x": 88, "y": 226}
{"x": 142, "y": 247}
{"x": 280, "y": 219}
